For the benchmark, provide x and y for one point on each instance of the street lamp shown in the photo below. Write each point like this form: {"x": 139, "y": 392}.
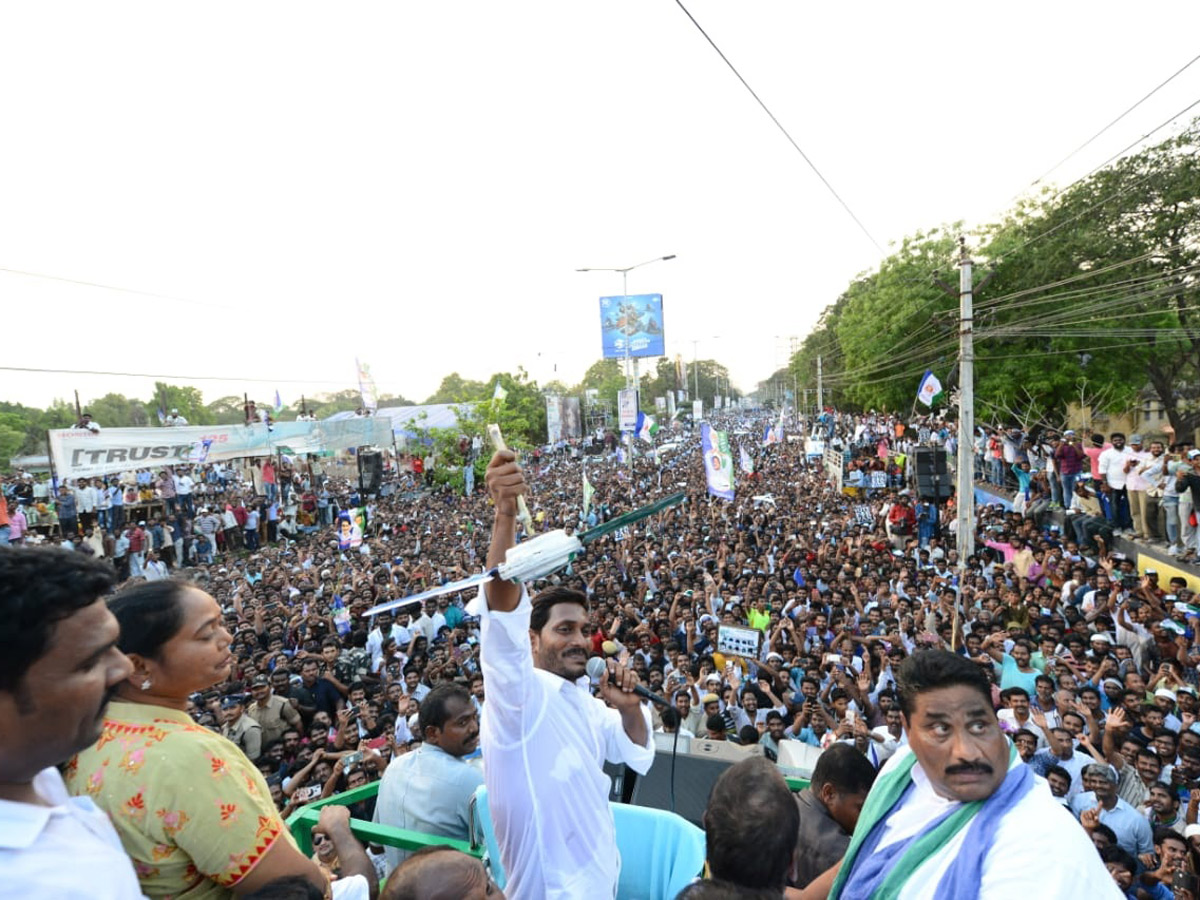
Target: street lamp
{"x": 625, "y": 299}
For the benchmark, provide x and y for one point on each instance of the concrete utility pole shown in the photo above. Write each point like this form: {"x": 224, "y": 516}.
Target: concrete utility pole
{"x": 965, "y": 542}
{"x": 820, "y": 387}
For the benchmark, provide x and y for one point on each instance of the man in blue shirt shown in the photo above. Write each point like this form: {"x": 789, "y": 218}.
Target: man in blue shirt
{"x": 430, "y": 789}
{"x": 1100, "y": 794}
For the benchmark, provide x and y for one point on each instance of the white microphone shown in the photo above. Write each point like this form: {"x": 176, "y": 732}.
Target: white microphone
{"x": 597, "y": 670}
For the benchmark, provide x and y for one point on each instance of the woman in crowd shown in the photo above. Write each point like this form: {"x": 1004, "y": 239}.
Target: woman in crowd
{"x": 193, "y": 813}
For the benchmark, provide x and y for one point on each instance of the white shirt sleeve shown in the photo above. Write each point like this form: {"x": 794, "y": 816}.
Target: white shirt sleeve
{"x": 506, "y": 658}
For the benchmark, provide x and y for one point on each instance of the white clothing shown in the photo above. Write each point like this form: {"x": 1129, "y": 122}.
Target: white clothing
{"x": 351, "y": 887}
{"x": 545, "y": 740}
{"x": 1134, "y": 480}
{"x": 889, "y": 745}
{"x": 68, "y": 850}
{"x": 1010, "y": 717}
{"x": 85, "y": 498}
{"x": 1039, "y": 850}
{"x": 1112, "y": 466}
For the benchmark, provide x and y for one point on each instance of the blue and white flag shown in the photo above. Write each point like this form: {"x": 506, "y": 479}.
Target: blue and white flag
{"x": 718, "y": 461}
{"x": 747, "y": 462}
{"x": 278, "y": 402}
{"x": 646, "y": 427}
{"x": 930, "y": 390}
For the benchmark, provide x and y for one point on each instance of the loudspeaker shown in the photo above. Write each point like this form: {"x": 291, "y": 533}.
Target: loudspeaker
{"x": 694, "y": 780}
{"x": 370, "y": 471}
{"x": 933, "y": 478}
{"x": 621, "y": 779}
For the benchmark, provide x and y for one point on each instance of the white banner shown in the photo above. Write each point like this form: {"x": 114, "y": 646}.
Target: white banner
{"x": 627, "y": 408}
{"x": 79, "y": 453}
{"x": 554, "y": 407}
{"x": 697, "y": 410}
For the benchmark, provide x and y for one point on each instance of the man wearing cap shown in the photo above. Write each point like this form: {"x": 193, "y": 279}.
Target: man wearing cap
{"x": 1100, "y": 797}
{"x": 240, "y": 728}
{"x": 138, "y": 540}
{"x": 273, "y": 713}
{"x": 956, "y": 813}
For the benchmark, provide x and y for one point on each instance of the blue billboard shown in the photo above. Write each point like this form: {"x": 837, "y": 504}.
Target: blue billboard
{"x": 636, "y": 320}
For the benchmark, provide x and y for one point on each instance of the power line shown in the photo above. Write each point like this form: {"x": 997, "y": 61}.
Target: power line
{"x": 109, "y": 287}
{"x": 1179, "y": 72}
{"x": 347, "y": 383}
{"x": 779, "y": 125}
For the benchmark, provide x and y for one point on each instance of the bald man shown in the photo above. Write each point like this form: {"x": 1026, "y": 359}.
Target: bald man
{"x": 440, "y": 873}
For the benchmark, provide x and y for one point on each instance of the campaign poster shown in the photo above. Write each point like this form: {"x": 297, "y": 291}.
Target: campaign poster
{"x": 634, "y": 322}
{"x": 627, "y": 408}
{"x": 349, "y": 532}
{"x": 554, "y": 407}
{"x": 718, "y": 461}
{"x": 572, "y": 421}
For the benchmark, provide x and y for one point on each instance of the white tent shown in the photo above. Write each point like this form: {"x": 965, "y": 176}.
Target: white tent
{"x": 407, "y": 419}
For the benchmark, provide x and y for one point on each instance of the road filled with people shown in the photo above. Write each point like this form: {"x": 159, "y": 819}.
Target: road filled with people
{"x": 241, "y": 594}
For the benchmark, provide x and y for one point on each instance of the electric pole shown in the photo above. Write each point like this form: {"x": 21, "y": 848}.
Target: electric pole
{"x": 820, "y": 387}
{"x": 965, "y": 508}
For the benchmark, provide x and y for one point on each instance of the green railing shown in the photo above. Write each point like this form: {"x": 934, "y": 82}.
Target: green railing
{"x": 302, "y": 821}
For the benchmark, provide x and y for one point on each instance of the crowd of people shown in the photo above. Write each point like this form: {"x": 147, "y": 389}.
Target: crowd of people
{"x": 1090, "y": 665}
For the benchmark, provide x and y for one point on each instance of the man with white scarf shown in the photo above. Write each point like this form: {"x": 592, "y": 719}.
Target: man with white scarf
{"x": 956, "y": 814}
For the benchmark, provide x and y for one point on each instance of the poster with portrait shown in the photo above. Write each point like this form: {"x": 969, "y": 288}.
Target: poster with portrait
{"x": 349, "y": 531}
{"x": 572, "y": 421}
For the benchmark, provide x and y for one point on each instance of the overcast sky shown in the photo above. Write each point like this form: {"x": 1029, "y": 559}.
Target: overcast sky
{"x": 291, "y": 185}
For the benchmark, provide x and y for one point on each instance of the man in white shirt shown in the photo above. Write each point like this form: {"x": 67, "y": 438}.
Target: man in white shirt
{"x": 1115, "y": 464}
{"x": 545, "y": 737}
{"x": 59, "y": 663}
{"x": 183, "y": 490}
{"x": 958, "y": 757}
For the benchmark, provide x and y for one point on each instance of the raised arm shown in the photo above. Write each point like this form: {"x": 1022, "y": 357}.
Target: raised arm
{"x": 505, "y": 483}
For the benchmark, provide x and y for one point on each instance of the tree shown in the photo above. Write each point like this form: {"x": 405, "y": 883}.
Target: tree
{"x": 1101, "y": 282}
{"x": 228, "y": 410}
{"x": 895, "y": 323}
{"x": 188, "y": 400}
{"x": 456, "y": 389}
{"x": 119, "y": 411}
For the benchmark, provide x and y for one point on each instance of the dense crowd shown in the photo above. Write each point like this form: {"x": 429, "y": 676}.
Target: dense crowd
{"x": 1093, "y": 663}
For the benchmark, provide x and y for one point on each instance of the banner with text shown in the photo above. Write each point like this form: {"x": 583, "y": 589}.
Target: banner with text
{"x": 627, "y": 409}
{"x": 79, "y": 453}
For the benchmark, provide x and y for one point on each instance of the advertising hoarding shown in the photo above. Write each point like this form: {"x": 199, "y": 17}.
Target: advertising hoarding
{"x": 636, "y": 321}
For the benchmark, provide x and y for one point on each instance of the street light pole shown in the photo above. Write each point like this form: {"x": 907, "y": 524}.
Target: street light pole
{"x": 625, "y": 270}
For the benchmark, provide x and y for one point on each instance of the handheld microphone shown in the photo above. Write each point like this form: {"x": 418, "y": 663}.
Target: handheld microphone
{"x": 596, "y": 670}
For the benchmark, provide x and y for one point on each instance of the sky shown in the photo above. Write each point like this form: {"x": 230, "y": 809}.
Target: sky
{"x": 248, "y": 196}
